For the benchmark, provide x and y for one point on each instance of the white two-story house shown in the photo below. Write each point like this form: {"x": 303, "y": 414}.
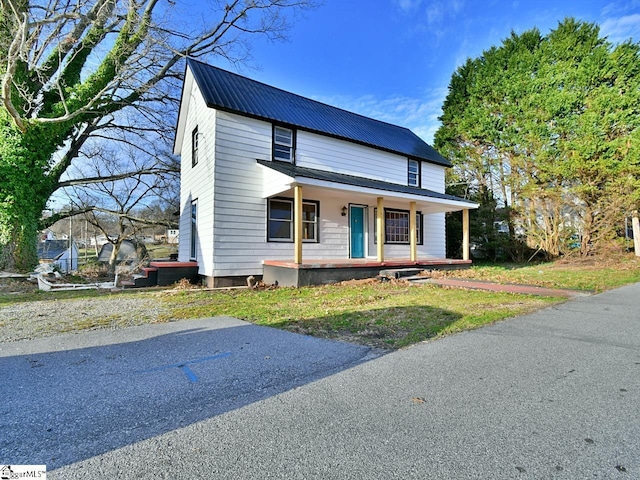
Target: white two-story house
{"x": 280, "y": 185}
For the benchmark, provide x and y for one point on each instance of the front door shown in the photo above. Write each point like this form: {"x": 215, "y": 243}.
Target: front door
{"x": 357, "y": 236}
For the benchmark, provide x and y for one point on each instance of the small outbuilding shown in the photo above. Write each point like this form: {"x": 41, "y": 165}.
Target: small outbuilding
{"x": 58, "y": 253}
{"x": 129, "y": 252}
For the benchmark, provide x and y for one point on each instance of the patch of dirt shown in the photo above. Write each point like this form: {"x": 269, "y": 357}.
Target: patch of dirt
{"x": 17, "y": 285}
{"x": 611, "y": 259}
{"x": 372, "y": 281}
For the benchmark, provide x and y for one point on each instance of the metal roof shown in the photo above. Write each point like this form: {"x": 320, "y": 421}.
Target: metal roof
{"x": 237, "y": 94}
{"x": 295, "y": 171}
{"x": 52, "y": 249}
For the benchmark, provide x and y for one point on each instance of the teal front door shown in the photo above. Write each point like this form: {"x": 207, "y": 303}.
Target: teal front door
{"x": 356, "y": 227}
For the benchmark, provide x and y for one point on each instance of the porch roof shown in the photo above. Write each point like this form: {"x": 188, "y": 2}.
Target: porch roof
{"x": 431, "y": 201}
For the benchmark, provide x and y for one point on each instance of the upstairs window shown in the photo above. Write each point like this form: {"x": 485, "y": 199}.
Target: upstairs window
{"x": 283, "y": 144}
{"x": 413, "y": 173}
{"x": 194, "y": 147}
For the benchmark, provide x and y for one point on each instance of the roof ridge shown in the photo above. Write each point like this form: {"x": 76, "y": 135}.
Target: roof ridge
{"x": 300, "y": 95}
{"x": 235, "y": 93}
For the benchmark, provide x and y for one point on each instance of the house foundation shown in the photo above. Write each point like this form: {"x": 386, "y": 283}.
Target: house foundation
{"x": 322, "y": 272}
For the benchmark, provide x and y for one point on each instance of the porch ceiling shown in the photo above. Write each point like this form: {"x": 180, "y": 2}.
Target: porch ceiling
{"x": 427, "y": 200}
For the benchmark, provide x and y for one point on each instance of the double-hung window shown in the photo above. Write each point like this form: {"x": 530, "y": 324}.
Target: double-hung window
{"x": 413, "y": 173}
{"x": 396, "y": 226}
{"x": 280, "y": 220}
{"x": 194, "y": 147}
{"x": 309, "y": 222}
{"x": 283, "y": 144}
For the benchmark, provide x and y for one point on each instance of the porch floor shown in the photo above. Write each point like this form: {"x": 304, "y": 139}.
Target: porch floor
{"x": 320, "y": 272}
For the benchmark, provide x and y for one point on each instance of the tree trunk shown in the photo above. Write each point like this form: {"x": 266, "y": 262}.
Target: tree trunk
{"x": 25, "y": 188}
{"x": 113, "y": 259}
{"x": 635, "y": 224}
{"x": 587, "y": 231}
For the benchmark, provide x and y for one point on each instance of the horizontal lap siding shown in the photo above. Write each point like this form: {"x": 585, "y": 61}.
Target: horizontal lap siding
{"x": 240, "y": 217}
{"x": 333, "y": 228}
{"x": 240, "y": 244}
{"x": 433, "y": 177}
{"x": 433, "y": 244}
{"x": 434, "y": 235}
{"x": 325, "y": 153}
{"x": 197, "y": 183}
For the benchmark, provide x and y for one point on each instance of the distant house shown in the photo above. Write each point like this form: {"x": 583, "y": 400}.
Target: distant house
{"x": 270, "y": 179}
{"x": 57, "y": 252}
{"x": 173, "y": 236}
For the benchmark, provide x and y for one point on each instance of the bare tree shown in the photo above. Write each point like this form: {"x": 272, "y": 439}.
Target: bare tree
{"x": 73, "y": 71}
{"x": 118, "y": 190}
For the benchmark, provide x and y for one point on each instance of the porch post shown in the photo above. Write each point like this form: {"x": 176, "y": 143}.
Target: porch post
{"x": 380, "y": 229}
{"x": 413, "y": 238}
{"x": 297, "y": 224}
{"x": 465, "y": 234}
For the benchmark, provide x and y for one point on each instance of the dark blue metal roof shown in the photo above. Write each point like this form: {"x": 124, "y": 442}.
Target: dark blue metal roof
{"x": 233, "y": 93}
{"x": 295, "y": 171}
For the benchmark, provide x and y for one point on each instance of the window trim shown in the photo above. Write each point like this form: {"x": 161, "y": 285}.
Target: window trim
{"x": 193, "y": 244}
{"x": 195, "y": 146}
{"x": 419, "y": 226}
{"x": 292, "y": 147}
{"x": 418, "y": 173}
{"x": 291, "y": 239}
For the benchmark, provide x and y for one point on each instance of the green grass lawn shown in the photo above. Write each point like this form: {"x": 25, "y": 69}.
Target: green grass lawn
{"x": 387, "y": 315}
{"x": 589, "y": 274}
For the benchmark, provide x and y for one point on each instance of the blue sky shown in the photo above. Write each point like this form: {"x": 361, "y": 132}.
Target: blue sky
{"x": 393, "y": 59}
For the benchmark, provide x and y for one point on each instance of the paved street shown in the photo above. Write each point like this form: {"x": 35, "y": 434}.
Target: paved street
{"x": 72, "y": 397}
{"x": 554, "y": 394}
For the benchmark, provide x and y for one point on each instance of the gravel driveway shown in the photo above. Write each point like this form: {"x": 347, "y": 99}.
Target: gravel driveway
{"x": 36, "y": 319}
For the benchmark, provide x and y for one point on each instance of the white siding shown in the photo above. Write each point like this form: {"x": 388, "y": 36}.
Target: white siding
{"x": 434, "y": 236}
{"x": 433, "y": 177}
{"x": 433, "y": 244}
{"x": 325, "y": 153}
{"x": 240, "y": 220}
{"x": 232, "y": 238}
{"x": 197, "y": 183}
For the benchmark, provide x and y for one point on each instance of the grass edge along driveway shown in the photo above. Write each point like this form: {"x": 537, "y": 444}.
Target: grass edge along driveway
{"x": 387, "y": 315}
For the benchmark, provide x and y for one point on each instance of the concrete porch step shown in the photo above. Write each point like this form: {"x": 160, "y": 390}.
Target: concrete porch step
{"x": 400, "y": 272}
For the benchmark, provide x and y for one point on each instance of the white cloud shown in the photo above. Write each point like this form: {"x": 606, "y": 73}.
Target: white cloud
{"x": 621, "y": 28}
{"x": 408, "y": 5}
{"x": 620, "y": 8}
{"x": 420, "y": 115}
{"x": 434, "y": 17}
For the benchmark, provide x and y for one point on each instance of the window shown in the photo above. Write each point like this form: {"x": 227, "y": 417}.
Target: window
{"x": 194, "y": 147}
{"x": 194, "y": 230}
{"x": 396, "y": 223}
{"x": 309, "y": 221}
{"x": 283, "y": 144}
{"x": 413, "y": 173}
{"x": 280, "y": 224}
{"x": 280, "y": 220}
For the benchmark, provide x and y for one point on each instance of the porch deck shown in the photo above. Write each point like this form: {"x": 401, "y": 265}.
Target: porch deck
{"x": 286, "y": 273}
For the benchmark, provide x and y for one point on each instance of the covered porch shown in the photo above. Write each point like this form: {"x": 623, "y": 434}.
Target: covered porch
{"x": 372, "y": 211}
{"x": 319, "y": 272}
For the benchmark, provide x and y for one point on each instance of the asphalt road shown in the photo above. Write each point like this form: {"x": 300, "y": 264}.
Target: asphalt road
{"x": 554, "y": 394}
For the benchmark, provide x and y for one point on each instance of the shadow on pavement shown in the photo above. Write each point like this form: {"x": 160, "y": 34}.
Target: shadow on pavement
{"x": 72, "y": 397}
